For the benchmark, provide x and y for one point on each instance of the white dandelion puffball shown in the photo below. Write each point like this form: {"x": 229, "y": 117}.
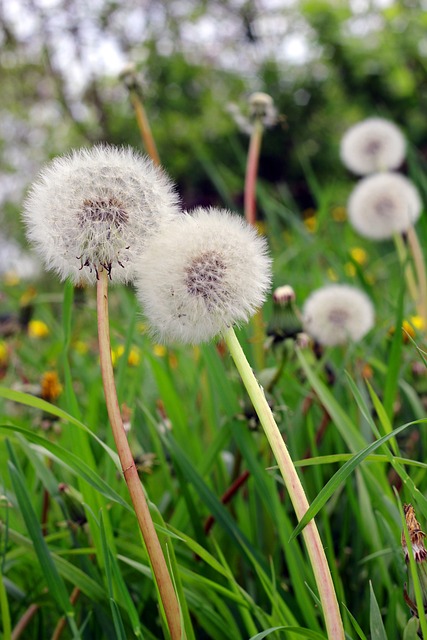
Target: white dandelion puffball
{"x": 375, "y": 144}
{"x": 337, "y": 314}
{"x": 93, "y": 209}
{"x": 201, "y": 274}
{"x": 383, "y": 204}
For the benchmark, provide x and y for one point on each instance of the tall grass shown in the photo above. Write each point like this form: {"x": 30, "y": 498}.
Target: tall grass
{"x": 72, "y": 564}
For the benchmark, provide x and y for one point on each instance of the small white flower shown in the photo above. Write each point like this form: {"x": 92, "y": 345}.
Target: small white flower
{"x": 201, "y": 274}
{"x": 336, "y": 314}
{"x": 383, "y": 204}
{"x": 375, "y": 144}
{"x": 93, "y": 209}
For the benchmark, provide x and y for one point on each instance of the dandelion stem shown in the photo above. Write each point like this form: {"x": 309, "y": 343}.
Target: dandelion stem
{"x": 250, "y": 215}
{"x": 420, "y": 269}
{"x": 252, "y": 171}
{"x": 151, "y": 540}
{"x": 144, "y": 126}
{"x": 293, "y": 484}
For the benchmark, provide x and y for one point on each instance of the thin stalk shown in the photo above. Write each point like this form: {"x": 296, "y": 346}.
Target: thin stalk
{"x": 252, "y": 172}
{"x": 250, "y": 215}
{"x": 420, "y": 270}
{"x": 24, "y": 621}
{"x": 144, "y": 126}
{"x": 402, "y": 252}
{"x": 154, "y": 550}
{"x": 319, "y": 563}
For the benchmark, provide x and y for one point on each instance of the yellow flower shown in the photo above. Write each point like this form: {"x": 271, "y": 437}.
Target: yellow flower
{"x": 339, "y": 214}
{"x": 142, "y": 327}
{"x": 359, "y": 255}
{"x": 51, "y": 388}
{"x": 310, "y": 220}
{"x": 4, "y": 354}
{"x": 159, "y": 350}
{"x": 11, "y": 279}
{"x": 261, "y": 227}
{"x": 332, "y": 275}
{"x": 38, "y": 329}
{"x": 417, "y": 322}
{"x": 81, "y": 347}
{"x": 134, "y": 357}
{"x": 116, "y": 354}
{"x": 350, "y": 269}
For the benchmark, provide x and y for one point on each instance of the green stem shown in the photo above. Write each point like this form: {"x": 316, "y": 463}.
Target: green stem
{"x": 334, "y": 625}
{"x": 420, "y": 269}
{"x": 151, "y": 540}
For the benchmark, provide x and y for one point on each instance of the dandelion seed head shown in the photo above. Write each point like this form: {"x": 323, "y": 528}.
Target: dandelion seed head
{"x": 209, "y": 269}
{"x": 261, "y": 106}
{"x": 375, "y": 144}
{"x": 383, "y": 204}
{"x": 94, "y": 209}
{"x": 337, "y": 314}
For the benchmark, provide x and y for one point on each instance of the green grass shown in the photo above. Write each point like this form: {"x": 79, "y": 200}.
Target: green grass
{"x": 66, "y": 524}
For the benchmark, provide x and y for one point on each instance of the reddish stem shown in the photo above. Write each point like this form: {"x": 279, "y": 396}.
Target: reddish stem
{"x": 227, "y": 496}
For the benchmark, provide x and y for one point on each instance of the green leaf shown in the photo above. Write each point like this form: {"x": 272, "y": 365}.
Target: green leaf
{"x": 299, "y": 631}
{"x": 74, "y": 463}
{"x": 38, "y": 403}
{"x": 410, "y": 632}
{"x": 342, "y": 474}
{"x": 394, "y": 356}
{"x": 54, "y": 581}
{"x": 376, "y": 622}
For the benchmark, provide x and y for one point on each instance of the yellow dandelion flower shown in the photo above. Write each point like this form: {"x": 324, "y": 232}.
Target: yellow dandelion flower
{"x": 142, "y": 327}
{"x": 173, "y": 361}
{"x": 134, "y": 357}
{"x": 38, "y": 329}
{"x": 4, "y": 353}
{"x": 310, "y": 220}
{"x": 417, "y": 322}
{"x": 359, "y": 255}
{"x": 116, "y": 354}
{"x": 339, "y": 214}
{"x": 350, "y": 269}
{"x": 261, "y": 227}
{"x": 11, "y": 279}
{"x": 51, "y": 388}
{"x": 311, "y": 224}
{"x": 159, "y": 350}
{"x": 81, "y": 347}
{"x": 332, "y": 275}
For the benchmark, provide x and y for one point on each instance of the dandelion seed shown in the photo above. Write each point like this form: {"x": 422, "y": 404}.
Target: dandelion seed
{"x": 336, "y": 314}
{"x": 375, "y": 144}
{"x": 94, "y": 209}
{"x": 383, "y": 204}
{"x": 210, "y": 270}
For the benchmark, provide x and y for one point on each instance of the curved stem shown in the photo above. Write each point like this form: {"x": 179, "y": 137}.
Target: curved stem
{"x": 295, "y": 489}
{"x": 154, "y": 550}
